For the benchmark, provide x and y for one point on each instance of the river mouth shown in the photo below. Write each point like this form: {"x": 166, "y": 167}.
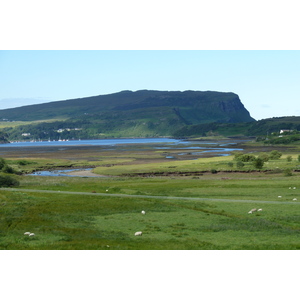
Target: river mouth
{"x": 161, "y": 150}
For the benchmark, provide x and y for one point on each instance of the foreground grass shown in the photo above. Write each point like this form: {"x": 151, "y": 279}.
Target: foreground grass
{"x": 100, "y": 222}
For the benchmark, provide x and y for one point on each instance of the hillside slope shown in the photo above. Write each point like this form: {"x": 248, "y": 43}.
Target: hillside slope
{"x": 127, "y": 113}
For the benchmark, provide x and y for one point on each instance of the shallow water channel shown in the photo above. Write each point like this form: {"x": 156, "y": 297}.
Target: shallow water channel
{"x": 60, "y": 173}
{"x": 192, "y": 149}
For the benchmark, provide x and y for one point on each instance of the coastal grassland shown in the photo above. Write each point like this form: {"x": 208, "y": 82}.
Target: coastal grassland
{"x": 99, "y": 221}
{"x": 208, "y": 210}
{"x": 241, "y": 186}
{"x": 12, "y": 124}
{"x": 203, "y": 164}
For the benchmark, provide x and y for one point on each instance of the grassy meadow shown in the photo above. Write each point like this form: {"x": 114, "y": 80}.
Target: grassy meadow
{"x": 190, "y": 203}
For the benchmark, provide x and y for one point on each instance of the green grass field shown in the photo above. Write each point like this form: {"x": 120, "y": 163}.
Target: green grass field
{"x": 209, "y": 211}
{"x": 96, "y": 221}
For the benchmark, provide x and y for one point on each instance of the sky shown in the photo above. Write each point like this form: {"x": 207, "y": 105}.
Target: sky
{"x": 267, "y": 81}
{"x": 59, "y": 50}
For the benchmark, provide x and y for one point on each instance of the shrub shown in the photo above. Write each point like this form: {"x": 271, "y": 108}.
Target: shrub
{"x": 298, "y": 157}
{"x": 23, "y": 162}
{"x": 8, "y": 169}
{"x": 275, "y": 154}
{"x": 2, "y": 163}
{"x": 258, "y": 163}
{"x": 8, "y": 181}
{"x": 287, "y": 172}
{"x": 214, "y": 171}
{"x": 246, "y": 157}
{"x": 240, "y": 164}
{"x": 237, "y": 154}
{"x": 264, "y": 157}
{"x": 289, "y": 158}
{"x": 230, "y": 164}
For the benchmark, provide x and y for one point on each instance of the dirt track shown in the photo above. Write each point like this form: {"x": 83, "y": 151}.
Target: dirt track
{"x": 146, "y": 196}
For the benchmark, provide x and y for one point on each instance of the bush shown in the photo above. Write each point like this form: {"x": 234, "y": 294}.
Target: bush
{"x": 258, "y": 163}
{"x": 23, "y": 162}
{"x": 214, "y": 171}
{"x": 2, "y": 163}
{"x": 275, "y": 154}
{"x": 237, "y": 154}
{"x": 8, "y": 181}
{"x": 8, "y": 169}
{"x": 264, "y": 157}
{"x": 240, "y": 164}
{"x": 287, "y": 172}
{"x": 246, "y": 157}
{"x": 289, "y": 158}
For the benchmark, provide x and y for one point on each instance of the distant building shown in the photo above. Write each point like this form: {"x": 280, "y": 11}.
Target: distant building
{"x": 285, "y": 130}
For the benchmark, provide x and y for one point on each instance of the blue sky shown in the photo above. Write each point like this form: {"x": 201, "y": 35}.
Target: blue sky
{"x": 267, "y": 81}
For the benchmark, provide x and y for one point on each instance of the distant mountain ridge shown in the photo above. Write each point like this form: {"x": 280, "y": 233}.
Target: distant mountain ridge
{"x": 138, "y": 114}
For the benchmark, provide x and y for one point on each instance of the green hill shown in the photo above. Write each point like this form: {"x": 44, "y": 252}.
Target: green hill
{"x": 261, "y": 129}
{"x": 137, "y": 114}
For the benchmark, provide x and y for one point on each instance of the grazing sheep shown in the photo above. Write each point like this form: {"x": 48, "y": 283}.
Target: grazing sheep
{"x": 27, "y": 233}
{"x": 294, "y": 188}
{"x": 294, "y": 199}
{"x": 252, "y": 211}
{"x": 32, "y": 234}
{"x": 138, "y": 233}
{"x": 260, "y": 209}
{"x": 279, "y": 196}
{"x": 143, "y": 212}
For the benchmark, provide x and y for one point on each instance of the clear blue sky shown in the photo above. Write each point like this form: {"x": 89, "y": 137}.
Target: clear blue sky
{"x": 267, "y": 82}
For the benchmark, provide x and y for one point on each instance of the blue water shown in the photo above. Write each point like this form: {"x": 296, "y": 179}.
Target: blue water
{"x": 104, "y": 142}
{"x": 58, "y": 173}
{"x": 166, "y": 143}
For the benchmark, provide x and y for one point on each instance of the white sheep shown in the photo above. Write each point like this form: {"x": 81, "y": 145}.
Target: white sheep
{"x": 294, "y": 199}
{"x": 138, "y": 233}
{"x": 252, "y": 211}
{"x": 279, "y": 196}
{"x": 31, "y": 234}
{"x": 143, "y": 212}
{"x": 27, "y": 233}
